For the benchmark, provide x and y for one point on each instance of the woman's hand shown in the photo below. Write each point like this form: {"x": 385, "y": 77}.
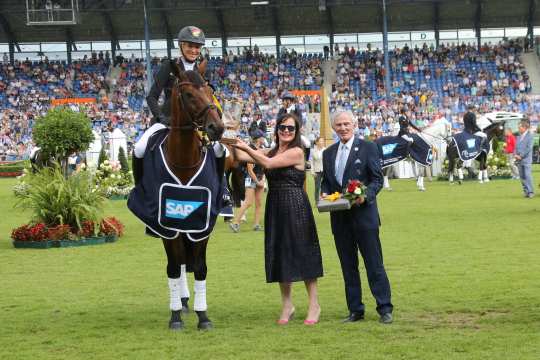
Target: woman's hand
{"x": 241, "y": 145}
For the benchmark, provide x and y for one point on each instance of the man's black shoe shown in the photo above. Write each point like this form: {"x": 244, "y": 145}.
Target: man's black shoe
{"x": 386, "y": 318}
{"x": 354, "y": 317}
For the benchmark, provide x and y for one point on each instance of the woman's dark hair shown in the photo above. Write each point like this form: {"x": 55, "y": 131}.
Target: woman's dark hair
{"x": 296, "y": 142}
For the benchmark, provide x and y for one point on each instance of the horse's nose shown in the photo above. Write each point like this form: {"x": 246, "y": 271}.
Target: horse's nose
{"x": 214, "y": 132}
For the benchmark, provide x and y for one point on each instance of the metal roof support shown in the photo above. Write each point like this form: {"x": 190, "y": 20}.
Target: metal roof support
{"x": 115, "y": 45}
{"x": 11, "y": 53}
{"x": 477, "y": 22}
{"x": 436, "y": 23}
{"x": 385, "y": 48}
{"x": 9, "y": 33}
{"x": 70, "y": 43}
{"x": 330, "y": 21}
{"x": 277, "y": 29}
{"x": 168, "y": 32}
{"x": 530, "y": 22}
{"x": 221, "y": 23}
{"x": 149, "y": 76}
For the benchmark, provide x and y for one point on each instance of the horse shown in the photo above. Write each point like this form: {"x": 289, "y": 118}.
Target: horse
{"x": 493, "y": 130}
{"x": 192, "y": 113}
{"x": 434, "y": 135}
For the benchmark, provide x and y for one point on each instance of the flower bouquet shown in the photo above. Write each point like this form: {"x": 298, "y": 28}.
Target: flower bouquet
{"x": 343, "y": 201}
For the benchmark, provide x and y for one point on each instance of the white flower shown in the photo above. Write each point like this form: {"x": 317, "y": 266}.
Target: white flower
{"x": 83, "y": 166}
{"x": 106, "y": 162}
{"x": 358, "y": 191}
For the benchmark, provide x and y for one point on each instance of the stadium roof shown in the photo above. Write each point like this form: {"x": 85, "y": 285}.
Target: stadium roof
{"x": 123, "y": 19}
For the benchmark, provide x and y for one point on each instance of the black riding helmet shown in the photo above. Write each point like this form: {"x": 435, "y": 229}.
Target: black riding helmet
{"x": 192, "y": 34}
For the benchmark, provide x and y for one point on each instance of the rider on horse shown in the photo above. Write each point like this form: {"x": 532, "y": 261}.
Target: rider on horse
{"x": 191, "y": 39}
{"x": 470, "y": 126}
{"x": 404, "y": 124}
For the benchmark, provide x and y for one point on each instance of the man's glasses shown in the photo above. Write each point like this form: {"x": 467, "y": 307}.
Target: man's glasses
{"x": 290, "y": 128}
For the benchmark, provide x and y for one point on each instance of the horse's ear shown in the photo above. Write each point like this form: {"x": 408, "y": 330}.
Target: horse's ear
{"x": 202, "y": 67}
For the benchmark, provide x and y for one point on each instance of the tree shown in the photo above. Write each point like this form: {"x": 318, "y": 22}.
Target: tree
{"x": 123, "y": 160}
{"x": 61, "y": 133}
{"x": 102, "y": 157}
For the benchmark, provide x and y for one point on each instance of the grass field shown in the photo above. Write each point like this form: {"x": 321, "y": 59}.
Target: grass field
{"x": 463, "y": 262}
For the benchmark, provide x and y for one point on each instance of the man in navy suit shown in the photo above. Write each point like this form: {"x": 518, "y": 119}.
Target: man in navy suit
{"x": 523, "y": 156}
{"x": 357, "y": 229}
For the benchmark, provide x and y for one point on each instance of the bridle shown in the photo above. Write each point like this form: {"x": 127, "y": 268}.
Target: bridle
{"x": 197, "y": 122}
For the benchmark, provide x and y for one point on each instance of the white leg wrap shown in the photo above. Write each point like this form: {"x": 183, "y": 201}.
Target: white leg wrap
{"x": 174, "y": 294}
{"x": 486, "y": 178}
{"x": 460, "y": 174}
{"x": 421, "y": 182}
{"x": 184, "y": 289}
{"x": 451, "y": 177}
{"x": 199, "y": 288}
{"x": 386, "y": 183}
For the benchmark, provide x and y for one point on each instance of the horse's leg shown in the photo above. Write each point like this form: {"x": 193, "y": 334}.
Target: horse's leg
{"x": 175, "y": 251}
{"x": 460, "y": 171}
{"x": 484, "y": 167}
{"x": 480, "y": 169}
{"x": 199, "y": 287}
{"x": 386, "y": 182}
{"x": 451, "y": 169}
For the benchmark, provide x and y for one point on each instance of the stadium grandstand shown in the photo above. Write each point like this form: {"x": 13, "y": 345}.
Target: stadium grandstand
{"x": 373, "y": 57}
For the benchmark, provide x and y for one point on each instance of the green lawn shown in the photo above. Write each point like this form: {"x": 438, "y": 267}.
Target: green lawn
{"x": 463, "y": 262}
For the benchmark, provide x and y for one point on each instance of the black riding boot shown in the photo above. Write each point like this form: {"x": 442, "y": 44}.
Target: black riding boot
{"x": 137, "y": 165}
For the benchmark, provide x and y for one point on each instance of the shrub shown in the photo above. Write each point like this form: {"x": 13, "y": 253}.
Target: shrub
{"x": 123, "y": 161}
{"x": 55, "y": 200}
{"x": 62, "y": 132}
{"x": 102, "y": 157}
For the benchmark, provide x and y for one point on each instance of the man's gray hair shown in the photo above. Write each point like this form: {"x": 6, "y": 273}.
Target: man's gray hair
{"x": 341, "y": 112}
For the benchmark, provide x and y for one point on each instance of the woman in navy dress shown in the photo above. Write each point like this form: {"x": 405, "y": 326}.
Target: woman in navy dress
{"x": 291, "y": 249}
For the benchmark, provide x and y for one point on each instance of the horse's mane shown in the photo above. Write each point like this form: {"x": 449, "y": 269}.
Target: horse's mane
{"x": 195, "y": 78}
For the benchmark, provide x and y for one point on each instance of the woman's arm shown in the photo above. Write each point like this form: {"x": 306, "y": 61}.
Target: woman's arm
{"x": 290, "y": 157}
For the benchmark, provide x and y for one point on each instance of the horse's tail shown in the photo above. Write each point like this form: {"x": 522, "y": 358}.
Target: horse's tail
{"x": 236, "y": 185}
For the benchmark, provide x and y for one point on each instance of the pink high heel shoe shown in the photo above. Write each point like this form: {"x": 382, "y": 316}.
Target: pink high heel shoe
{"x": 313, "y": 322}
{"x": 286, "y": 321}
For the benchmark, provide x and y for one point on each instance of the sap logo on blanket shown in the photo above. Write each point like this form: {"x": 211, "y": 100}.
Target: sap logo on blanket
{"x": 388, "y": 148}
{"x": 471, "y": 143}
{"x": 180, "y": 209}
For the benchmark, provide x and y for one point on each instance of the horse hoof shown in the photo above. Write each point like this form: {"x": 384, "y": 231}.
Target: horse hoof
{"x": 176, "y": 325}
{"x": 205, "y": 325}
{"x": 422, "y": 189}
{"x": 460, "y": 182}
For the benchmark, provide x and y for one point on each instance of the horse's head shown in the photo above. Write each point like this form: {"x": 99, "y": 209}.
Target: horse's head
{"x": 195, "y": 101}
{"x": 495, "y": 130}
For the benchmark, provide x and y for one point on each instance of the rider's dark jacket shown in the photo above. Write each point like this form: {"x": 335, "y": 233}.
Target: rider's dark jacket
{"x": 163, "y": 82}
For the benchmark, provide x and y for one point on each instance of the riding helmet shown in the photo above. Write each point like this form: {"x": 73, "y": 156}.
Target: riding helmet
{"x": 191, "y": 34}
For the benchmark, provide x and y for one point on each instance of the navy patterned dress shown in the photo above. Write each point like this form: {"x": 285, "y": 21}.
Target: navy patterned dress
{"x": 292, "y": 251}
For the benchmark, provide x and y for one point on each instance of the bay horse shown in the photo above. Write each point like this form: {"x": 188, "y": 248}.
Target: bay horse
{"x": 494, "y": 130}
{"x": 192, "y": 112}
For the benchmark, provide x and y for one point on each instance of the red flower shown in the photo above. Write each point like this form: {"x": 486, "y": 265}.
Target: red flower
{"x": 22, "y": 233}
{"x": 59, "y": 232}
{"x": 111, "y": 226}
{"x": 87, "y": 229}
{"x": 353, "y": 184}
{"x": 38, "y": 232}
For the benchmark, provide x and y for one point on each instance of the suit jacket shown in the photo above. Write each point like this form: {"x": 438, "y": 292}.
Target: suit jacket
{"x": 253, "y": 126}
{"x": 363, "y": 164}
{"x": 524, "y": 147}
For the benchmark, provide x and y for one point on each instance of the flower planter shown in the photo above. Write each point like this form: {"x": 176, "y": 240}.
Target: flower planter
{"x": 64, "y": 243}
{"x": 118, "y": 197}
{"x": 11, "y": 174}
